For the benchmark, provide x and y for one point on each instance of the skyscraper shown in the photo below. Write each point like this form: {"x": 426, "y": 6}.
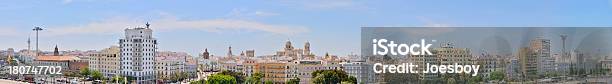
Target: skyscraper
{"x": 138, "y": 54}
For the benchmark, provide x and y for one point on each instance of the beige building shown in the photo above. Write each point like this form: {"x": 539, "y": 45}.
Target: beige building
{"x": 606, "y": 63}
{"x": 62, "y": 61}
{"x": 489, "y": 63}
{"x": 303, "y": 69}
{"x": 274, "y": 71}
{"x": 422, "y": 60}
{"x": 528, "y": 63}
{"x": 448, "y": 55}
{"x": 296, "y": 53}
{"x": 105, "y": 61}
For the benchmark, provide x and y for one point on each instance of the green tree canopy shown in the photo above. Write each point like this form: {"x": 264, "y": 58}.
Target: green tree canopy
{"x": 85, "y": 72}
{"x": 295, "y": 80}
{"x": 497, "y": 75}
{"x": 221, "y": 79}
{"x": 331, "y": 77}
{"x": 97, "y": 75}
{"x": 238, "y": 75}
{"x": 255, "y": 78}
{"x": 268, "y": 82}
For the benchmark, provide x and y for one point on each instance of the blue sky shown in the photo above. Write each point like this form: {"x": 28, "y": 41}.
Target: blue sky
{"x": 330, "y": 26}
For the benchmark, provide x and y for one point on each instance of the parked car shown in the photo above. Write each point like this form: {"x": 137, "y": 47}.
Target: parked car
{"x": 97, "y": 82}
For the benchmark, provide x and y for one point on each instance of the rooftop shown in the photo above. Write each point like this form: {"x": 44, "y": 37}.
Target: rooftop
{"x": 56, "y": 58}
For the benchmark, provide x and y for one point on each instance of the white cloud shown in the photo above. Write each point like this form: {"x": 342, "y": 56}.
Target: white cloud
{"x": 321, "y": 4}
{"x": 168, "y": 23}
{"x": 8, "y": 32}
{"x": 431, "y": 23}
{"x": 246, "y": 13}
{"x": 66, "y": 1}
{"x": 262, "y": 13}
{"x": 429, "y": 31}
{"x": 430, "y": 28}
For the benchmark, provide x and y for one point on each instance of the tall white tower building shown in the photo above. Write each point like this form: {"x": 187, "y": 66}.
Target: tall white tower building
{"x": 138, "y": 54}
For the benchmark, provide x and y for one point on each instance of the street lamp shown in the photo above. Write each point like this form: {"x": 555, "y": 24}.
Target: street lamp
{"x": 37, "y": 29}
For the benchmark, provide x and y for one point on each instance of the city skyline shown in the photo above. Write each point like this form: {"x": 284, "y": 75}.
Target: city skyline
{"x": 265, "y": 25}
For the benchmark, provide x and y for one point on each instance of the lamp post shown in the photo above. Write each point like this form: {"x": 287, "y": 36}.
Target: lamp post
{"x": 37, "y": 29}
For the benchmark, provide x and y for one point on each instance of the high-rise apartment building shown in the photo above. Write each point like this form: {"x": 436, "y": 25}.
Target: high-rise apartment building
{"x": 541, "y": 48}
{"x": 528, "y": 63}
{"x": 138, "y": 54}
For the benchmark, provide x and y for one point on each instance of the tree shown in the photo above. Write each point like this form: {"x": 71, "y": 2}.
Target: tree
{"x": 118, "y": 79}
{"x": 201, "y": 81}
{"x": 452, "y": 81}
{"x": 351, "y": 79}
{"x": 221, "y": 79}
{"x": 475, "y": 79}
{"x": 96, "y": 75}
{"x": 238, "y": 75}
{"x": 331, "y": 77}
{"x": 85, "y": 72}
{"x": 255, "y": 78}
{"x": 497, "y": 75}
{"x": 268, "y": 82}
{"x": 295, "y": 80}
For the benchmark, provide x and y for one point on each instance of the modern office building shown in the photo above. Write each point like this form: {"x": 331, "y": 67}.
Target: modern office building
{"x": 138, "y": 49}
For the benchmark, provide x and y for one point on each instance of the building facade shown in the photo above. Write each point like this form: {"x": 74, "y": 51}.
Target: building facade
{"x": 528, "y": 63}
{"x": 106, "y": 61}
{"x": 541, "y": 48}
{"x": 137, "y": 50}
{"x": 168, "y": 64}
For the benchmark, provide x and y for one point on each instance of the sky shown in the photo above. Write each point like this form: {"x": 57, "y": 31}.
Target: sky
{"x": 331, "y": 26}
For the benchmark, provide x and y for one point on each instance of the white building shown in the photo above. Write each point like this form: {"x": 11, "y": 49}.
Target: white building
{"x": 360, "y": 70}
{"x": 545, "y": 61}
{"x": 168, "y": 64}
{"x": 138, "y": 54}
{"x": 303, "y": 69}
{"x": 606, "y": 63}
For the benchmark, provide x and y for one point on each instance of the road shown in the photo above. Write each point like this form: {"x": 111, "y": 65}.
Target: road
{"x": 4, "y": 81}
